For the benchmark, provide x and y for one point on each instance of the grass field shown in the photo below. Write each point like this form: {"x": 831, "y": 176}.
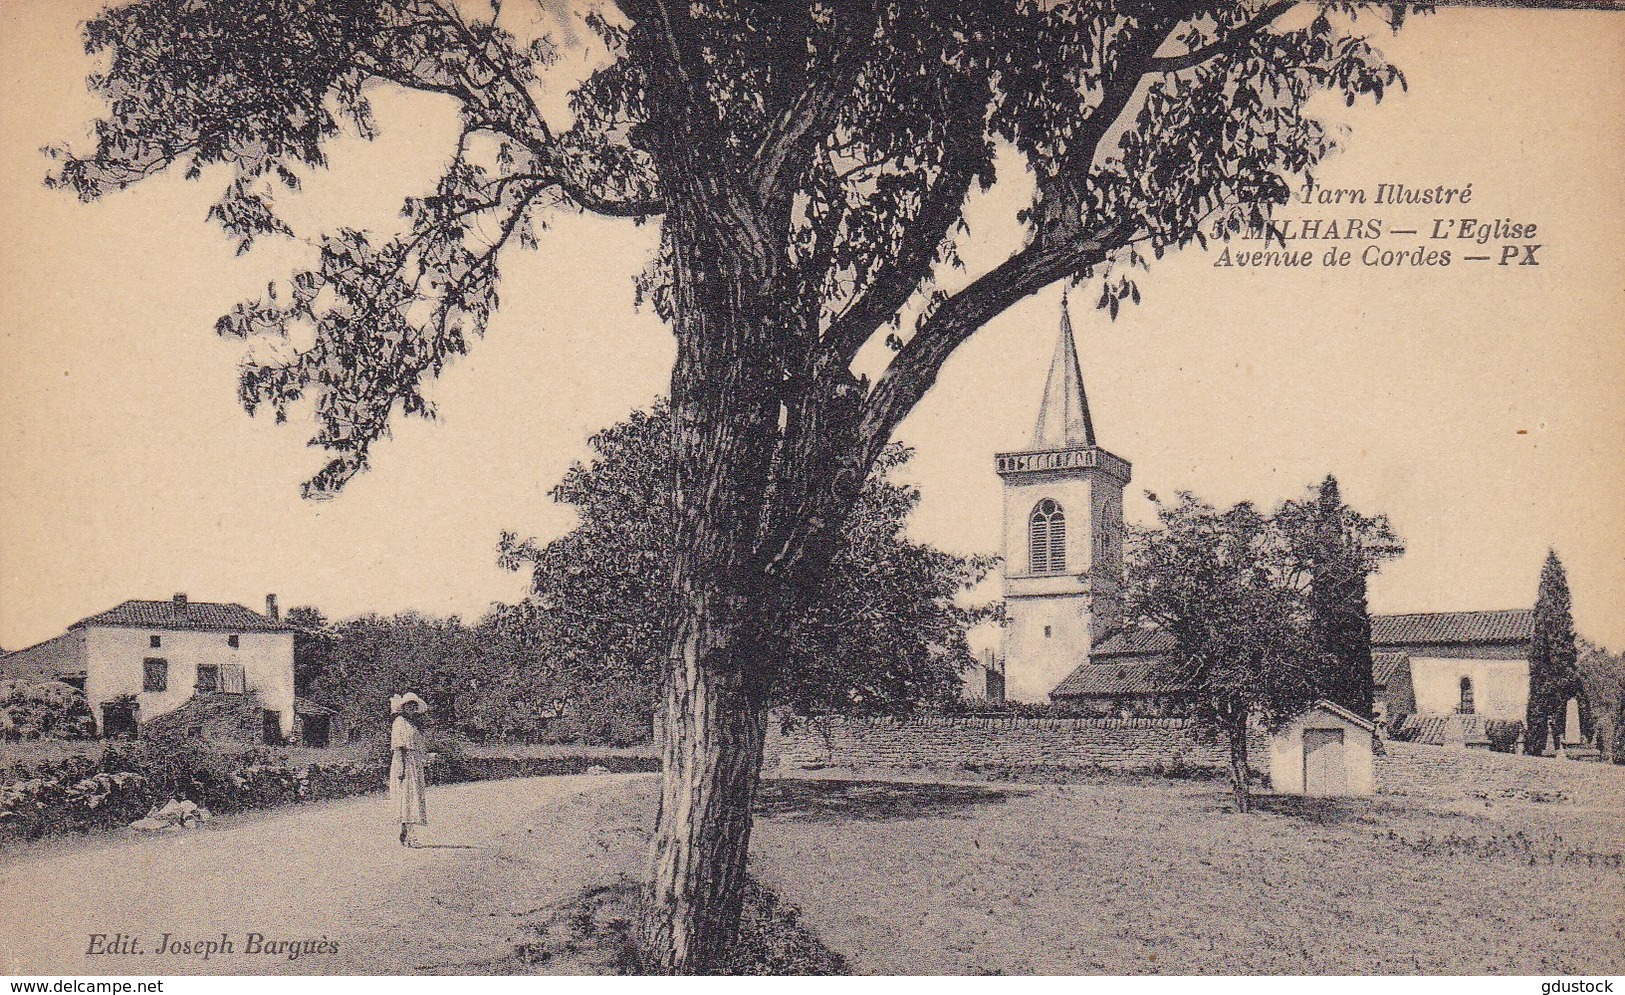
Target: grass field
{"x": 1161, "y": 877}
{"x": 1469, "y": 864}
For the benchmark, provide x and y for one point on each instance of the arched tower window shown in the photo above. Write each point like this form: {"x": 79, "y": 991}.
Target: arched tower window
{"x": 1046, "y": 538}
{"x": 1466, "y": 706}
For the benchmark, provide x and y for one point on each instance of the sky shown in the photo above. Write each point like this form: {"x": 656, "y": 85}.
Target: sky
{"x": 1479, "y": 407}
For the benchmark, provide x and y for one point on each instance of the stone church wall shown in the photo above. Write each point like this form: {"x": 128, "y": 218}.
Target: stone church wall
{"x": 991, "y": 743}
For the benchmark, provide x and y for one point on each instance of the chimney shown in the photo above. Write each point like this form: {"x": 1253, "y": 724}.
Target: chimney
{"x": 271, "y": 610}
{"x": 180, "y": 603}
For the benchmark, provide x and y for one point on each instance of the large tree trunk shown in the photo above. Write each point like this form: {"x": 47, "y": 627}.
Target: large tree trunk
{"x": 725, "y": 421}
{"x": 711, "y": 746}
{"x": 1240, "y": 771}
{"x": 751, "y": 437}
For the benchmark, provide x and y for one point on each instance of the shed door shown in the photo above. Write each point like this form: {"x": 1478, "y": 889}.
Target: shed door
{"x": 1323, "y": 763}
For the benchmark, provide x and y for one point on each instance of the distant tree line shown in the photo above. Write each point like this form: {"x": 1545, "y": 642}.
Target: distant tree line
{"x": 579, "y": 659}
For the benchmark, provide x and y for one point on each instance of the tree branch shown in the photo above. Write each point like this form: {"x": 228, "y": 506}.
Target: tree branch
{"x": 914, "y": 370}
{"x": 813, "y": 112}
{"x": 1229, "y": 43}
{"x": 902, "y": 273}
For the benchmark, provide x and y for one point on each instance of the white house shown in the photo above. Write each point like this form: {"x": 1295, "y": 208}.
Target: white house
{"x": 1467, "y": 663}
{"x": 144, "y": 658}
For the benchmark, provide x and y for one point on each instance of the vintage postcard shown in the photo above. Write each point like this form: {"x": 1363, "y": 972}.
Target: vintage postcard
{"x": 1031, "y": 487}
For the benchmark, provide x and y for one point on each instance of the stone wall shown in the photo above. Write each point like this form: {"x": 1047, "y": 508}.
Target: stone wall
{"x": 1437, "y": 771}
{"x": 991, "y": 743}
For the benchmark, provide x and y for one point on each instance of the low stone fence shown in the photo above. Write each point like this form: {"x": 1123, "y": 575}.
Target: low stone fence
{"x": 1419, "y": 769}
{"x": 990, "y": 744}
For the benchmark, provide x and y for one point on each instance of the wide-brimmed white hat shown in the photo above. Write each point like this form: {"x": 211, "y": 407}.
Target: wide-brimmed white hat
{"x": 398, "y": 702}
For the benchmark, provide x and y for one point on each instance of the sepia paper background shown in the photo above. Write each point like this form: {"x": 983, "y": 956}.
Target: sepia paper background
{"x": 1480, "y": 407}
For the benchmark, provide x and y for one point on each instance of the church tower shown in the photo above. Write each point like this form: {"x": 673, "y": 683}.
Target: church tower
{"x": 1063, "y": 536}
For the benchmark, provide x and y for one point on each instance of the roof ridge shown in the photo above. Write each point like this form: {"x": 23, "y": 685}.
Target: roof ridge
{"x": 196, "y": 615}
{"x": 1451, "y": 611}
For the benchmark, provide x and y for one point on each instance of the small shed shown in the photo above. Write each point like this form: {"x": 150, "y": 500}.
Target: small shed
{"x": 1323, "y": 753}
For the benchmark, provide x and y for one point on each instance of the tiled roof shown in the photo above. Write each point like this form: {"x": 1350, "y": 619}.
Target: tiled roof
{"x": 1421, "y": 629}
{"x": 190, "y": 615}
{"x": 1516, "y": 625}
{"x": 1327, "y": 705}
{"x": 1384, "y": 665}
{"x": 1134, "y": 642}
{"x": 1430, "y": 729}
{"x": 1091, "y": 679}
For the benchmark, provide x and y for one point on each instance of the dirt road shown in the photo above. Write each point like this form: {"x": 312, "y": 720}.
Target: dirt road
{"x": 326, "y": 887}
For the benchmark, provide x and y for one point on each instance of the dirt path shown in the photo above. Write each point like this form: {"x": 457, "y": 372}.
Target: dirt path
{"x": 331, "y": 875}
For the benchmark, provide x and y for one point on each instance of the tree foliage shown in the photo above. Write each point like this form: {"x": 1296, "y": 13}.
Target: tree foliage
{"x": 479, "y": 680}
{"x": 1255, "y": 605}
{"x": 36, "y": 709}
{"x": 884, "y": 634}
{"x": 1602, "y": 675}
{"x": 1553, "y": 654}
{"x": 314, "y": 643}
{"x": 1338, "y": 549}
{"x": 852, "y": 130}
{"x": 1220, "y": 584}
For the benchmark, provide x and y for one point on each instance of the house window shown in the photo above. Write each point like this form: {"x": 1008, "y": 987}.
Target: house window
{"x": 154, "y": 674}
{"x": 231, "y": 640}
{"x": 208, "y": 677}
{"x": 1046, "y": 632}
{"x": 1046, "y": 538}
{"x": 1466, "y": 706}
{"x": 232, "y": 680}
{"x": 155, "y": 641}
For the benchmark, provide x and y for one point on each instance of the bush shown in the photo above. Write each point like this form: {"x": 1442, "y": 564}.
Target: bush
{"x": 37, "y": 709}
{"x": 43, "y": 806}
{"x": 774, "y": 941}
{"x": 69, "y": 768}
{"x": 80, "y": 794}
{"x": 321, "y": 781}
{"x": 1503, "y": 734}
{"x": 187, "y": 769}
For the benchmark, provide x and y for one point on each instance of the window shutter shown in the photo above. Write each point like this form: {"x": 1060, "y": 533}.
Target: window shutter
{"x": 232, "y": 680}
{"x": 154, "y": 674}
{"x": 1046, "y": 538}
{"x": 1038, "y": 541}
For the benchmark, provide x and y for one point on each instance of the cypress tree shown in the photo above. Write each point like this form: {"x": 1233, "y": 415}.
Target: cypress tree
{"x": 1337, "y": 596}
{"x": 1554, "y": 677}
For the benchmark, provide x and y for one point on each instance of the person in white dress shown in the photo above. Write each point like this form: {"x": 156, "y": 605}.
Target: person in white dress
{"x": 408, "y": 764}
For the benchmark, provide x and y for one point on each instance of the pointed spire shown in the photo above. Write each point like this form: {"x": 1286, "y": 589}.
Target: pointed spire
{"x": 1063, "y": 419}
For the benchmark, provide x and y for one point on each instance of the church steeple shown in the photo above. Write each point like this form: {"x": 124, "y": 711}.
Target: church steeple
{"x": 1063, "y": 418}
{"x": 1063, "y": 536}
